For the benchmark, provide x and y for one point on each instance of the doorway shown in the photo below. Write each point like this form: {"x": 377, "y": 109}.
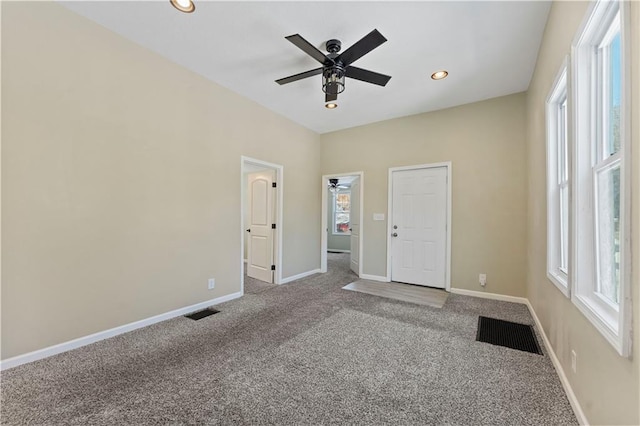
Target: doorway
{"x": 419, "y": 227}
{"x": 261, "y": 221}
{"x": 342, "y": 218}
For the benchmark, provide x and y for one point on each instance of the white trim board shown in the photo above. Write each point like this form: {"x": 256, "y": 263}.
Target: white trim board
{"x": 573, "y": 400}
{"x": 299, "y": 276}
{"x": 571, "y": 396}
{"x": 249, "y": 163}
{"x": 448, "y": 165}
{"x": 324, "y": 207}
{"x": 101, "y": 335}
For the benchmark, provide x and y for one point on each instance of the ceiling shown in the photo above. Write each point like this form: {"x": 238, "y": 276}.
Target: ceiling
{"x": 346, "y": 180}
{"x": 489, "y": 49}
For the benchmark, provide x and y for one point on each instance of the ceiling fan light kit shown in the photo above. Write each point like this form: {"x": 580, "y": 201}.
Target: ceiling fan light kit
{"x": 333, "y": 80}
{"x": 337, "y": 66}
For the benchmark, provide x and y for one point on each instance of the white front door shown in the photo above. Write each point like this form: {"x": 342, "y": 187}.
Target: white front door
{"x": 260, "y": 241}
{"x": 354, "y": 224}
{"x": 419, "y": 226}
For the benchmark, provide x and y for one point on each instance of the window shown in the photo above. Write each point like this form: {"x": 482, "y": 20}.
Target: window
{"x": 341, "y": 210}
{"x": 558, "y": 183}
{"x": 601, "y": 255}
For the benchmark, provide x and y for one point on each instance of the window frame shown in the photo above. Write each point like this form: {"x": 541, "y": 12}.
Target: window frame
{"x": 613, "y": 322}
{"x": 558, "y": 178}
{"x": 335, "y": 212}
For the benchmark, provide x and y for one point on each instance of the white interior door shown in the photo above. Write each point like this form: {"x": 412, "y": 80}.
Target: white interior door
{"x": 260, "y": 241}
{"x": 354, "y": 225}
{"x": 419, "y": 222}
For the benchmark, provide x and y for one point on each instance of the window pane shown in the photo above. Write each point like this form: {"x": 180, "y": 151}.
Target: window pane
{"x": 608, "y": 232}
{"x": 614, "y": 90}
{"x": 563, "y": 166}
{"x": 342, "y": 207}
{"x": 342, "y": 223}
{"x": 343, "y": 202}
{"x": 564, "y": 228}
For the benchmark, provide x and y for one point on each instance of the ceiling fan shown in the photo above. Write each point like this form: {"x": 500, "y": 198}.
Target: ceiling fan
{"x": 335, "y": 67}
{"x": 335, "y": 186}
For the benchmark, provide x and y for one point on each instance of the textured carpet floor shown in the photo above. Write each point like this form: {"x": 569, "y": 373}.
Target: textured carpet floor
{"x": 302, "y": 353}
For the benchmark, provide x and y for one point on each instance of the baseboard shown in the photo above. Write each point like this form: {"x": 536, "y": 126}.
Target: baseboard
{"x": 299, "y": 276}
{"x": 494, "y": 296}
{"x": 374, "y": 278}
{"x": 573, "y": 400}
{"x": 338, "y": 251}
{"x": 96, "y": 337}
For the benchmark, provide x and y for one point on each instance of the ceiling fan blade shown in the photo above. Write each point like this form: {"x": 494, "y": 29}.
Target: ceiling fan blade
{"x": 330, "y": 98}
{"x": 310, "y": 49}
{"x": 365, "y": 45}
{"x": 367, "y": 76}
{"x": 300, "y": 76}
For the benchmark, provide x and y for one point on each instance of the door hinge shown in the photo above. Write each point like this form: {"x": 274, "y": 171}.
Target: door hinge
{"x": 274, "y": 185}
{"x": 273, "y": 226}
{"x": 273, "y": 267}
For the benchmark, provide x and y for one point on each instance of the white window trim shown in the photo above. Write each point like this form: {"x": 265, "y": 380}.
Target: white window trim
{"x": 615, "y": 328}
{"x": 335, "y": 200}
{"x": 558, "y": 93}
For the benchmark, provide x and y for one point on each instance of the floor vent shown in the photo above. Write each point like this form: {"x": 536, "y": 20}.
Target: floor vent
{"x": 202, "y": 314}
{"x": 508, "y": 334}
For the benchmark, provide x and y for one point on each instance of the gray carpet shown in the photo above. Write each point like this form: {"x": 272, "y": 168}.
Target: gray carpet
{"x": 302, "y": 353}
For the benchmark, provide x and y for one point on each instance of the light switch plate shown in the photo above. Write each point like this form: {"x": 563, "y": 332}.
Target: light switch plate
{"x": 378, "y": 216}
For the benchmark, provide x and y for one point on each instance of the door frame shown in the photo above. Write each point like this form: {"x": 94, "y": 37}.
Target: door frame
{"x": 448, "y": 166}
{"x": 325, "y": 224}
{"x": 278, "y": 203}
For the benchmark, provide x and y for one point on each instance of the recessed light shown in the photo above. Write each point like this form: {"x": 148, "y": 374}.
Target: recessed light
{"x": 439, "y": 75}
{"x": 331, "y": 105}
{"x": 186, "y": 6}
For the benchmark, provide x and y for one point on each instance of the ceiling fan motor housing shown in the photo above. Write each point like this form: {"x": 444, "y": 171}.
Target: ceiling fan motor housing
{"x": 333, "y": 45}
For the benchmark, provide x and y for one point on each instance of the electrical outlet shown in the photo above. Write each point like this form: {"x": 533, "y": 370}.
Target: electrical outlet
{"x": 482, "y": 278}
{"x": 574, "y": 361}
{"x": 212, "y": 283}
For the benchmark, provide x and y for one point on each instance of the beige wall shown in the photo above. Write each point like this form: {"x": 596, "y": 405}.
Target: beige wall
{"x": 485, "y": 143}
{"x": 121, "y": 180}
{"x": 120, "y": 196}
{"x": 606, "y": 384}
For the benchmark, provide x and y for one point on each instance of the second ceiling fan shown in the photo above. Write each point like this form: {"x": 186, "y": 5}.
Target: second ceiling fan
{"x": 336, "y": 66}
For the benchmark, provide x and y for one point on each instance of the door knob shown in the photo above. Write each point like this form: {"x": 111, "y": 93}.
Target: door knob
{"x": 395, "y": 234}
{"x": 248, "y": 230}
{"x": 395, "y": 226}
